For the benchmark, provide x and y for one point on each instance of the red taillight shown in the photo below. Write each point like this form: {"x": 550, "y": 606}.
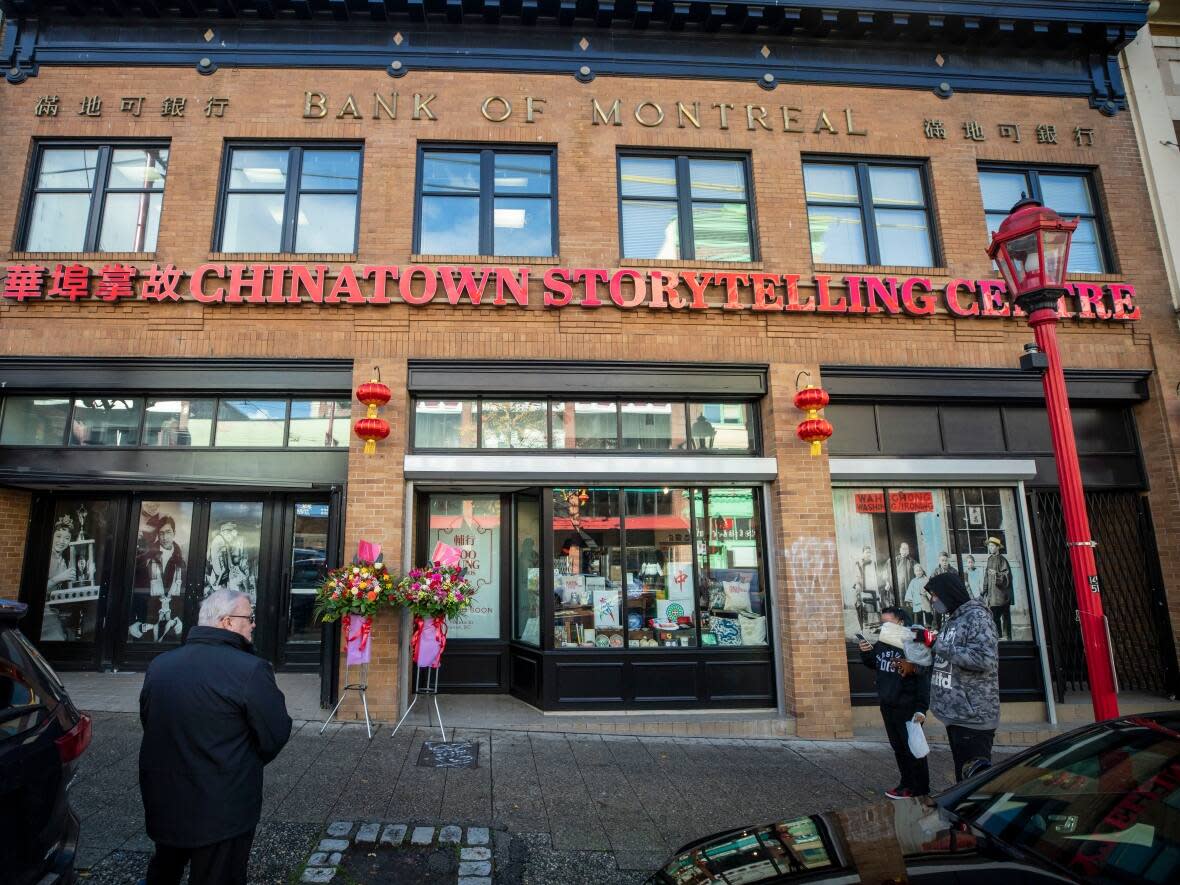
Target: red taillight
{"x": 74, "y": 742}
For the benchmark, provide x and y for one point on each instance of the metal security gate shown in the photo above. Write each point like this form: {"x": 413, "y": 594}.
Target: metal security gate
{"x": 1132, "y": 593}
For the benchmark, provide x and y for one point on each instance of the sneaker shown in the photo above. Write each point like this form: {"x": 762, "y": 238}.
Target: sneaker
{"x": 899, "y": 793}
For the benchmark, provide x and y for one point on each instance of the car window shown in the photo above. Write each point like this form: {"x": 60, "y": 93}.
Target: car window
{"x": 1105, "y": 806}
{"x": 29, "y": 689}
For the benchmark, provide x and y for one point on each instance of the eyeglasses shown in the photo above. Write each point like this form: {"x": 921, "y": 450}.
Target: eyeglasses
{"x": 249, "y": 617}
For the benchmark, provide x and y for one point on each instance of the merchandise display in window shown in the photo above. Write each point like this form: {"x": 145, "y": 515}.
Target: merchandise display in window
{"x": 732, "y": 597}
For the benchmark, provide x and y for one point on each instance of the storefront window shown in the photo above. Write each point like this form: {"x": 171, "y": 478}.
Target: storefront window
{"x": 106, "y": 422}
{"x": 445, "y": 425}
{"x": 235, "y": 537}
{"x": 80, "y": 553}
{"x": 658, "y": 568}
{"x": 157, "y": 594}
{"x": 720, "y": 427}
{"x": 732, "y": 595}
{"x": 34, "y": 421}
{"x": 890, "y": 542}
{"x": 175, "y": 423}
{"x": 309, "y": 555}
{"x": 585, "y": 425}
{"x": 468, "y": 527}
{"x": 319, "y": 423}
{"x": 653, "y": 426}
{"x": 251, "y": 422}
{"x": 527, "y": 575}
{"x": 587, "y": 570}
{"x": 513, "y": 424}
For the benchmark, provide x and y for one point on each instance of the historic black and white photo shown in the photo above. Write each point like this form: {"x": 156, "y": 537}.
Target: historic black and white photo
{"x": 231, "y": 553}
{"x": 157, "y": 601}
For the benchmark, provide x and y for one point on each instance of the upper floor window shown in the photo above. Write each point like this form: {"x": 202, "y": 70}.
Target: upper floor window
{"x": 868, "y": 212}
{"x": 96, "y": 198}
{"x": 279, "y": 198}
{"x": 1068, "y": 192}
{"x": 474, "y": 201}
{"x": 685, "y": 207}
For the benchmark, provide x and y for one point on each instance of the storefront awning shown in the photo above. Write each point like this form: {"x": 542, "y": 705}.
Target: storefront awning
{"x": 568, "y": 469}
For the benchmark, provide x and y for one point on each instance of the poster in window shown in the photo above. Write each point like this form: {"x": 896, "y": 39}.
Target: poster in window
{"x": 471, "y": 524}
{"x": 231, "y": 554}
{"x": 78, "y": 551}
{"x": 862, "y": 549}
{"x": 157, "y": 595}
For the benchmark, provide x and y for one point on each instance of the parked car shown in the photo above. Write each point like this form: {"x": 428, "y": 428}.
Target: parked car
{"x": 1100, "y": 804}
{"x": 42, "y": 735}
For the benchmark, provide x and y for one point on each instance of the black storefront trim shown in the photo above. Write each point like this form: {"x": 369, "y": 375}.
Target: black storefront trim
{"x": 720, "y": 382}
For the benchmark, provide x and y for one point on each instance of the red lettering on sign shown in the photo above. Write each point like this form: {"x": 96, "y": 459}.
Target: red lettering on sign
{"x": 824, "y": 302}
{"x": 954, "y": 305}
{"x": 592, "y": 277}
{"x": 730, "y": 281}
{"x": 1123, "y": 297}
{"x": 697, "y": 283}
{"x": 517, "y": 285}
{"x": 855, "y": 298}
{"x": 663, "y": 289}
{"x": 793, "y": 301}
{"x": 381, "y": 274}
{"x": 196, "y": 283}
{"x": 346, "y": 285}
{"x": 991, "y": 296}
{"x": 638, "y": 289}
{"x": 911, "y": 502}
{"x": 923, "y": 304}
{"x": 870, "y": 502}
{"x": 406, "y": 285}
{"x": 467, "y": 284}
{"x": 558, "y": 291}
{"x": 765, "y": 295}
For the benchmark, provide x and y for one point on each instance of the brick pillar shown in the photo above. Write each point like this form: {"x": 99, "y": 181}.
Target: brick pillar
{"x": 14, "y": 529}
{"x": 375, "y": 511}
{"x": 810, "y": 617}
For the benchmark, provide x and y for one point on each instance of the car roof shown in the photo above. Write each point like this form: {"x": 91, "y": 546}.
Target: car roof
{"x": 12, "y": 611}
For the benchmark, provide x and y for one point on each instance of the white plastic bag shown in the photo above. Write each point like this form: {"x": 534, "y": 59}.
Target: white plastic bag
{"x": 917, "y": 739}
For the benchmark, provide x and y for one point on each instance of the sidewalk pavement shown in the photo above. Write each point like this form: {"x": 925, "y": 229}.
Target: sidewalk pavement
{"x": 564, "y": 808}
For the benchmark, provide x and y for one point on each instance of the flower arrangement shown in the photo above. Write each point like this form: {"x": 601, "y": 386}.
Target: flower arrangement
{"x": 436, "y": 590}
{"x": 357, "y": 589}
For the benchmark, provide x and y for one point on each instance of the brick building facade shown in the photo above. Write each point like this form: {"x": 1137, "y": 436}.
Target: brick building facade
{"x": 926, "y": 396}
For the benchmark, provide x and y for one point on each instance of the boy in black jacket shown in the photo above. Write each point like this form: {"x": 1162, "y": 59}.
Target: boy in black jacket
{"x": 903, "y": 690}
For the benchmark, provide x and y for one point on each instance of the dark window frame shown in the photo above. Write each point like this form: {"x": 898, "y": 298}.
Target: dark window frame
{"x": 98, "y": 191}
{"x": 868, "y": 207}
{"x": 684, "y": 198}
{"x": 1032, "y": 174}
{"x": 487, "y": 192}
{"x": 292, "y": 191}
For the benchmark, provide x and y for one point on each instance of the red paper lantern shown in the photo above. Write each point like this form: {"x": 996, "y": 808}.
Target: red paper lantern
{"x": 814, "y": 431}
{"x": 373, "y": 394}
{"x": 371, "y": 430}
{"x": 811, "y": 399}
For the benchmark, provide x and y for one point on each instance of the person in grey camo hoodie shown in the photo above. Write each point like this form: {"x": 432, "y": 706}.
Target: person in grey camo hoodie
{"x": 965, "y": 680}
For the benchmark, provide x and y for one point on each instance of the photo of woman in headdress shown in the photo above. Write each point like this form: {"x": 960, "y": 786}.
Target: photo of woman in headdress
{"x": 72, "y": 589}
{"x": 61, "y": 573}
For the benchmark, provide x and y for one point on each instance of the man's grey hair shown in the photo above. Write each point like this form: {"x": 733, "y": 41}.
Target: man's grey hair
{"x": 217, "y": 605}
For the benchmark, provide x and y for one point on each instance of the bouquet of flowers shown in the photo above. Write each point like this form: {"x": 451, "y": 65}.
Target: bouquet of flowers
{"x": 436, "y": 591}
{"x": 357, "y": 589}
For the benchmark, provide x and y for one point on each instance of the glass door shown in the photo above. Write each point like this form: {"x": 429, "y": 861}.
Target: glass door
{"x": 466, "y": 528}
{"x": 307, "y": 528}
{"x": 526, "y": 572}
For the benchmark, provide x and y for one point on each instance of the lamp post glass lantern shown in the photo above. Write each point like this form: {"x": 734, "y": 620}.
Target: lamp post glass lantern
{"x": 1031, "y": 249}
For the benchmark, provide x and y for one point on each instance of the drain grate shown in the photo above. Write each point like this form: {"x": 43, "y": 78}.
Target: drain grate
{"x": 452, "y": 754}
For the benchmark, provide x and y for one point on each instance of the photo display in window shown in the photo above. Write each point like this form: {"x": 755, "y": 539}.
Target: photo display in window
{"x": 587, "y": 569}
{"x": 79, "y": 566}
{"x": 157, "y": 595}
{"x": 890, "y": 542}
{"x": 661, "y": 610}
{"x": 231, "y": 557}
{"x": 470, "y": 525}
{"x": 732, "y": 595}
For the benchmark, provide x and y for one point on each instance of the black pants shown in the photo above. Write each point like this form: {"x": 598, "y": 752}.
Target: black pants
{"x": 915, "y": 773}
{"x": 1003, "y": 618}
{"x": 968, "y": 744}
{"x": 222, "y": 863}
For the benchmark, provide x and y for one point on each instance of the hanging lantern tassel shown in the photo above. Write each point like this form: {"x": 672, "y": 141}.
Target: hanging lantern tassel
{"x": 813, "y": 429}
{"x": 371, "y": 430}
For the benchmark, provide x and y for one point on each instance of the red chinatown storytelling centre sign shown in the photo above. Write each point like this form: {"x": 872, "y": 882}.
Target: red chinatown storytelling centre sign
{"x": 501, "y": 286}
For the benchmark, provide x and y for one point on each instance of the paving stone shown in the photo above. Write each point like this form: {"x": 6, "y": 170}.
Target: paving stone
{"x": 332, "y": 845}
{"x": 393, "y": 835}
{"x": 475, "y": 868}
{"x": 339, "y": 828}
{"x": 319, "y": 859}
{"x": 450, "y": 835}
{"x": 475, "y": 854}
{"x": 334, "y": 859}
{"x": 422, "y": 835}
{"x": 367, "y": 834}
{"x": 475, "y": 880}
{"x": 477, "y": 836}
{"x": 322, "y": 874}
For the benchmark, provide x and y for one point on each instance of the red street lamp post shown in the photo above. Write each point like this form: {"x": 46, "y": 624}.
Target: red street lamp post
{"x": 1031, "y": 249}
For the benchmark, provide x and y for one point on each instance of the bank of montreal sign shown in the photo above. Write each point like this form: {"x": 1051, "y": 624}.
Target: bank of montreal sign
{"x": 509, "y": 287}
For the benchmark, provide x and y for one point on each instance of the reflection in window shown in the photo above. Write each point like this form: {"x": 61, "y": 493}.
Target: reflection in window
{"x": 34, "y": 421}
{"x": 658, "y": 571}
{"x": 587, "y": 571}
{"x": 178, "y": 423}
{"x": 513, "y": 424}
{"x": 106, "y": 422}
{"x": 251, "y": 422}
{"x": 309, "y": 556}
{"x": 446, "y": 424}
{"x": 319, "y": 423}
{"x": 585, "y": 425}
{"x": 720, "y": 427}
{"x": 732, "y": 595}
{"x": 526, "y": 618}
{"x": 653, "y": 426}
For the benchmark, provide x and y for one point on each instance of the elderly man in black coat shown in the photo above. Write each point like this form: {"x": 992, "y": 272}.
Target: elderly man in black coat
{"x": 212, "y": 718}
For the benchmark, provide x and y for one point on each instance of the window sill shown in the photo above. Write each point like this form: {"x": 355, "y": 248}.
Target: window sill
{"x": 486, "y": 259}
{"x": 82, "y": 256}
{"x": 284, "y": 257}
{"x": 881, "y": 269}
{"x": 676, "y": 263}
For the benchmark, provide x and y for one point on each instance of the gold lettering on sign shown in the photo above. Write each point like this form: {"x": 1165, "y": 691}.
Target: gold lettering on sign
{"x": 315, "y": 105}
{"x": 852, "y": 130}
{"x": 694, "y": 116}
{"x": 791, "y": 121}
{"x": 639, "y": 114}
{"x": 530, "y": 107}
{"x": 823, "y": 124}
{"x": 349, "y": 109}
{"x": 420, "y": 107}
{"x": 615, "y": 117}
{"x": 379, "y": 105}
{"x": 724, "y": 109}
{"x": 486, "y": 109}
{"x": 759, "y": 117}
